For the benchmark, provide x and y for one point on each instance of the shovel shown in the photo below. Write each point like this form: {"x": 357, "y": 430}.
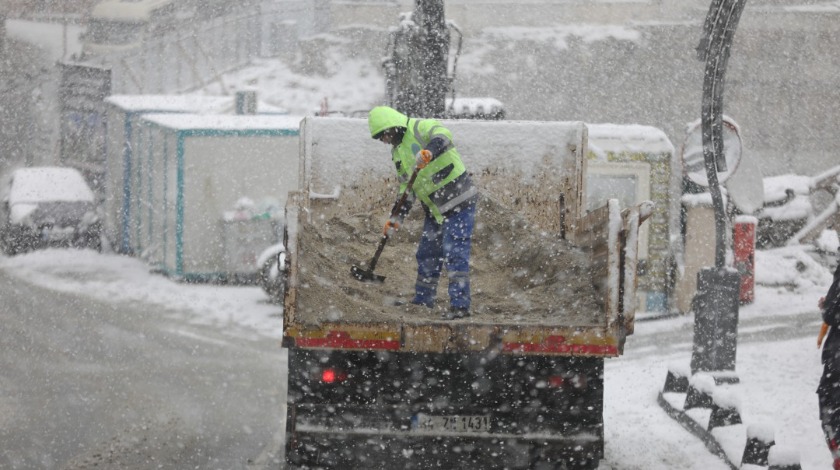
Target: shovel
{"x": 367, "y": 275}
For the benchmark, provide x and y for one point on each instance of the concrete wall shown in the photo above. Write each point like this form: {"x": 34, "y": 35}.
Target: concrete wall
{"x": 699, "y": 252}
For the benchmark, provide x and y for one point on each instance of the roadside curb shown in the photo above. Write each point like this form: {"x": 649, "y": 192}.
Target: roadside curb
{"x": 707, "y": 407}
{"x": 694, "y": 427}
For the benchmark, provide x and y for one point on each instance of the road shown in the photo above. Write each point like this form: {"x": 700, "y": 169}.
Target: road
{"x": 92, "y": 384}
{"x": 750, "y": 330}
{"x": 87, "y": 384}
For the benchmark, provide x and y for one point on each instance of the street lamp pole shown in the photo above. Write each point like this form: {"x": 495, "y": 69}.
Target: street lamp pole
{"x": 716, "y": 303}
{"x": 720, "y": 26}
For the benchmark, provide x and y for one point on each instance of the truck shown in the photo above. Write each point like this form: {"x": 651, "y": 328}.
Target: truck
{"x": 375, "y": 382}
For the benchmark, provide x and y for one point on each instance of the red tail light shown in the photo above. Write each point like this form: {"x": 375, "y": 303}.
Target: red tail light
{"x": 556, "y": 381}
{"x": 577, "y": 381}
{"x": 331, "y": 375}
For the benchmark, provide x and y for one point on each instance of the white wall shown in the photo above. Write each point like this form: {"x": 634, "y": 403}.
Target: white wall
{"x": 217, "y": 172}
{"x": 523, "y": 164}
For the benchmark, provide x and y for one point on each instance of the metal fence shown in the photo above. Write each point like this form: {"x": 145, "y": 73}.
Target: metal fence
{"x": 193, "y": 57}
{"x": 197, "y": 55}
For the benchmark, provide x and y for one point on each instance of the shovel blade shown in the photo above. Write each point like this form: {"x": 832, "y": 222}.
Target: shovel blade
{"x": 366, "y": 275}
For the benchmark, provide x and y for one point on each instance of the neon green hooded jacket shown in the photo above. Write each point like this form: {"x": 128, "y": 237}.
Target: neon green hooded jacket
{"x": 444, "y": 183}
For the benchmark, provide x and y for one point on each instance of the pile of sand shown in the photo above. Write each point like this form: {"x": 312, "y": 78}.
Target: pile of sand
{"x": 518, "y": 275}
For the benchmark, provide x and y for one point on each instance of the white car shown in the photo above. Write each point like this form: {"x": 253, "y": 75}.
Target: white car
{"x": 47, "y": 206}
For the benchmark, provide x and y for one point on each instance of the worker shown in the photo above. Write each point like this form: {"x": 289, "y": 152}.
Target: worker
{"x": 828, "y": 391}
{"x": 448, "y": 198}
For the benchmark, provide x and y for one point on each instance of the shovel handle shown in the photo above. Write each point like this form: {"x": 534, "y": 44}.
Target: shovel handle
{"x": 397, "y": 206}
{"x": 379, "y": 248}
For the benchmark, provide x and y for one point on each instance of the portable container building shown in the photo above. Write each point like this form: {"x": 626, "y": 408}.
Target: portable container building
{"x": 186, "y": 209}
{"x": 123, "y": 112}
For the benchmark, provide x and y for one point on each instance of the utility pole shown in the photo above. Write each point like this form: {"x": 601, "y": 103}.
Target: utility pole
{"x": 433, "y": 57}
{"x": 716, "y": 302}
{"x": 416, "y": 70}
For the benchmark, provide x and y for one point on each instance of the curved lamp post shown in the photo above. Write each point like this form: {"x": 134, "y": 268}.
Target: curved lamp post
{"x": 716, "y": 302}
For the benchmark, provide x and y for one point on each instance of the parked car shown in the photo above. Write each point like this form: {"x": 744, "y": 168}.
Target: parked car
{"x": 47, "y": 206}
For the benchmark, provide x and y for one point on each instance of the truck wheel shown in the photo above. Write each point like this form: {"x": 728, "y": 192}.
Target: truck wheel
{"x": 273, "y": 279}
{"x": 15, "y": 241}
{"x": 9, "y": 248}
{"x": 93, "y": 240}
{"x": 22, "y": 243}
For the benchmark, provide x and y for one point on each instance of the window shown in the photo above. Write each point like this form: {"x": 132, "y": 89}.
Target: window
{"x": 629, "y": 182}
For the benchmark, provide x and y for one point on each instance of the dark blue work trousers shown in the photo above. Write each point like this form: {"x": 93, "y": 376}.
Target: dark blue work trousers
{"x": 446, "y": 244}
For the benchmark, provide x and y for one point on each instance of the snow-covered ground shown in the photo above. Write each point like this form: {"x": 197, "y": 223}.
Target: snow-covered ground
{"x": 778, "y": 370}
{"x": 111, "y": 277}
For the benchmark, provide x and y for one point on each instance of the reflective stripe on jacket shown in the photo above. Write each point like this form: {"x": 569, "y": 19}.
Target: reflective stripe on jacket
{"x": 444, "y": 183}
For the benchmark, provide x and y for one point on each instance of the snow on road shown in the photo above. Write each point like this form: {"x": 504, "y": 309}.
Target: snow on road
{"x": 115, "y": 278}
{"x": 778, "y": 363}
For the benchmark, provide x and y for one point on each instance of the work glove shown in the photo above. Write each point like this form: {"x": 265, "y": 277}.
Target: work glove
{"x": 422, "y": 158}
{"x": 823, "y": 331}
{"x": 392, "y": 225}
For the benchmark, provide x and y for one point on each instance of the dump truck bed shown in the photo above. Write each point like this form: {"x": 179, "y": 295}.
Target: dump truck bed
{"x": 544, "y": 279}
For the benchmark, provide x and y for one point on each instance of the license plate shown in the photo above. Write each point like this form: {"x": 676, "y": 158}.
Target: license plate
{"x": 450, "y": 423}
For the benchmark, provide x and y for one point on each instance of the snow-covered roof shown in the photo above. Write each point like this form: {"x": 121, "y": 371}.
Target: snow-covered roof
{"x": 122, "y": 10}
{"x": 185, "y": 104}
{"x": 798, "y": 208}
{"x": 559, "y": 35}
{"x": 628, "y": 138}
{"x": 701, "y": 199}
{"x": 775, "y": 187}
{"x": 223, "y": 122}
{"x": 474, "y": 105}
{"x": 43, "y": 184}
{"x": 168, "y": 103}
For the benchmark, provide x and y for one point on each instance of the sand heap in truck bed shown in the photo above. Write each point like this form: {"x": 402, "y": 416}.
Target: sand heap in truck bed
{"x": 518, "y": 274}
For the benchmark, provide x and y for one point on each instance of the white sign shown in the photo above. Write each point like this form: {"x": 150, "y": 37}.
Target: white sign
{"x": 746, "y": 187}
{"x": 694, "y": 164}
